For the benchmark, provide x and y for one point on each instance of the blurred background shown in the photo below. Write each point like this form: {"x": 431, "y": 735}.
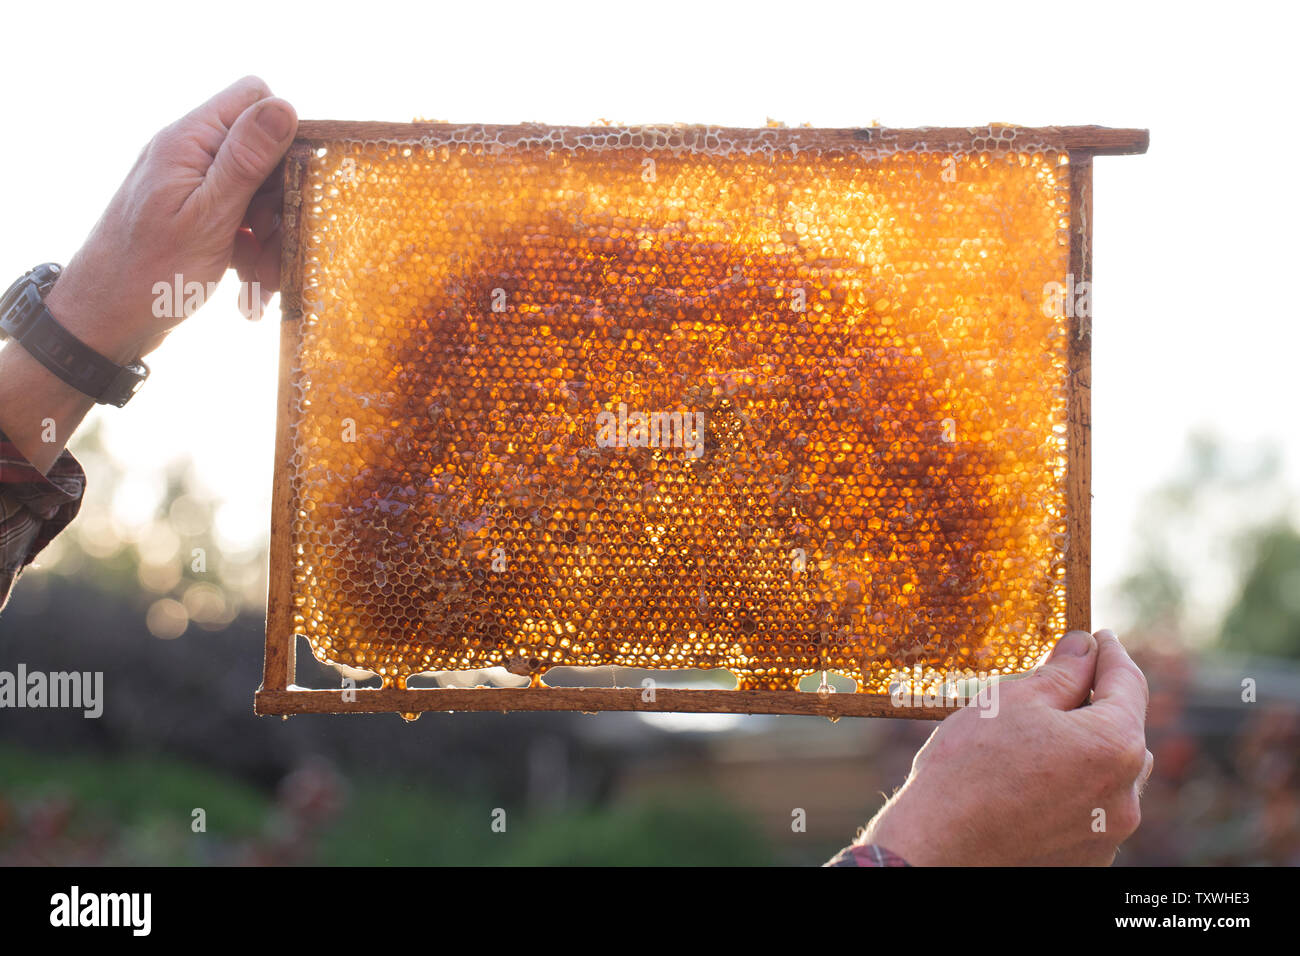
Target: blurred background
{"x": 1196, "y": 446}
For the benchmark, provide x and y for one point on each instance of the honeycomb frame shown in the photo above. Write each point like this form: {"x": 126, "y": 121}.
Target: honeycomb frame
{"x": 1075, "y": 145}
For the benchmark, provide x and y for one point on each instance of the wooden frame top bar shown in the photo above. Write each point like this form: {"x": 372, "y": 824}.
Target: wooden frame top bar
{"x": 1099, "y": 140}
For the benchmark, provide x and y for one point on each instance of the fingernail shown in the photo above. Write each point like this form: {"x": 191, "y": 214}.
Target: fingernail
{"x": 1075, "y": 644}
{"x": 275, "y": 120}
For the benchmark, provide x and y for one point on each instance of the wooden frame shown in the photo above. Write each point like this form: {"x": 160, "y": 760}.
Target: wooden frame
{"x": 279, "y": 694}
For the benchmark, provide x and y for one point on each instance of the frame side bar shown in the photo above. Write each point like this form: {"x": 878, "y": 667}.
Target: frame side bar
{"x": 280, "y": 664}
{"x": 1078, "y": 473}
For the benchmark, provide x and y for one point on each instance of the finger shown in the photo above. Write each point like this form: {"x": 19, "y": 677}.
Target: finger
{"x": 268, "y": 264}
{"x": 263, "y": 215}
{"x": 274, "y": 185}
{"x": 252, "y": 300}
{"x": 244, "y": 259}
{"x": 194, "y": 141}
{"x": 228, "y": 105}
{"x": 1144, "y": 777}
{"x": 1065, "y": 679}
{"x": 247, "y": 158}
{"x": 1119, "y": 684}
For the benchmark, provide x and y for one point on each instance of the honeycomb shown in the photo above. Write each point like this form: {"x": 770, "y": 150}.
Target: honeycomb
{"x": 624, "y": 397}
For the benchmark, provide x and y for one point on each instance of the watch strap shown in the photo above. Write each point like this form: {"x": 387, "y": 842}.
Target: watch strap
{"x": 24, "y": 318}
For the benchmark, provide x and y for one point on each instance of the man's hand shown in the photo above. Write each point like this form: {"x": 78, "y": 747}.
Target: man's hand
{"x": 180, "y": 211}
{"x": 204, "y": 195}
{"x": 1025, "y": 787}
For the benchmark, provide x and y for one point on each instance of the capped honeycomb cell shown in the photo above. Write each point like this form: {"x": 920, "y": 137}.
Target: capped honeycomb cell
{"x": 782, "y": 402}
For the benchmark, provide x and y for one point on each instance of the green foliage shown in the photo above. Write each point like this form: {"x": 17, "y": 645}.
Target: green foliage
{"x": 1266, "y": 617}
{"x": 404, "y": 826}
{"x": 1194, "y": 534}
{"x": 141, "y": 810}
{"x": 697, "y": 831}
{"x": 134, "y": 791}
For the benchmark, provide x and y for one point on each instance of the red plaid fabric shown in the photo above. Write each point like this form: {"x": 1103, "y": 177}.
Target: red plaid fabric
{"x": 33, "y": 508}
{"x": 865, "y": 854}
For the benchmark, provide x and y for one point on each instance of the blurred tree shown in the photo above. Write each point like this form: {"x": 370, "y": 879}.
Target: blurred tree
{"x": 1266, "y": 617}
{"x": 170, "y": 557}
{"x": 1197, "y": 532}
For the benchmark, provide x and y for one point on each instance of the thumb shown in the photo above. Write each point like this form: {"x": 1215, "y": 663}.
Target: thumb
{"x": 256, "y": 143}
{"x": 1065, "y": 680}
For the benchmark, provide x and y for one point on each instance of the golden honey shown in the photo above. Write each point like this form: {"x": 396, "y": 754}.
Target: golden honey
{"x": 614, "y": 398}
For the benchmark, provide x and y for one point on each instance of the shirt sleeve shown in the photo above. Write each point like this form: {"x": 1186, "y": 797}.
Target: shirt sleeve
{"x": 33, "y": 507}
{"x": 866, "y": 854}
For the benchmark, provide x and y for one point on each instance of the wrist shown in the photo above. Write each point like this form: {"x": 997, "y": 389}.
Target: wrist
{"x": 113, "y": 336}
{"x": 900, "y": 831}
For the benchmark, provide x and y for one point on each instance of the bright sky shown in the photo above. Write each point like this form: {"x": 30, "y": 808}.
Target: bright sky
{"x": 1195, "y": 243}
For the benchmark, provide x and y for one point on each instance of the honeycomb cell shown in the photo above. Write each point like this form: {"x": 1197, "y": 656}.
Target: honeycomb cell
{"x": 624, "y": 398}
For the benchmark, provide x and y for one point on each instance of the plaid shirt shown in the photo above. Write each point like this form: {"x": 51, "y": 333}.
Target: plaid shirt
{"x": 865, "y": 854}
{"x": 33, "y": 508}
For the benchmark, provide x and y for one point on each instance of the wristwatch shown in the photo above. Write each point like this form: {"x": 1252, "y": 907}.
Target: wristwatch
{"x": 25, "y": 319}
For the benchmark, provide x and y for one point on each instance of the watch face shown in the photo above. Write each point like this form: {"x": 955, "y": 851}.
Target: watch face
{"x": 19, "y": 305}
{"x": 45, "y": 276}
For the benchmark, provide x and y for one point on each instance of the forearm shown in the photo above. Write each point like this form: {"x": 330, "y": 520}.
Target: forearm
{"x": 38, "y": 410}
